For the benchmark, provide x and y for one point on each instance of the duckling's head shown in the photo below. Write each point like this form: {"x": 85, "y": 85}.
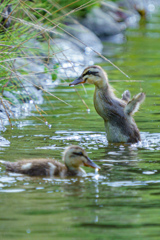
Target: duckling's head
{"x": 75, "y": 156}
{"x": 93, "y": 75}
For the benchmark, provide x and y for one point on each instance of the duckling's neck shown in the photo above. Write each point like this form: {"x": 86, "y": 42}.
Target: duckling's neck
{"x": 72, "y": 171}
{"x": 102, "y": 83}
{"x": 105, "y": 89}
{"x": 71, "y": 168}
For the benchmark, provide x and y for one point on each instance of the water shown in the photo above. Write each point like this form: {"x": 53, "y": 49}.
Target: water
{"x": 122, "y": 200}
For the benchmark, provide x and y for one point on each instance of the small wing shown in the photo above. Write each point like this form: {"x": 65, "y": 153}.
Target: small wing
{"x": 134, "y": 104}
{"x": 126, "y": 96}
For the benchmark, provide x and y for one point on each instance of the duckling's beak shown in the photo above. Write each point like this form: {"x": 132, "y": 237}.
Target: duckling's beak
{"x": 91, "y": 164}
{"x": 77, "y": 81}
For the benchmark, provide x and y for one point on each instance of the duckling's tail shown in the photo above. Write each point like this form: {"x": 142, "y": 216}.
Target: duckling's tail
{"x": 134, "y": 104}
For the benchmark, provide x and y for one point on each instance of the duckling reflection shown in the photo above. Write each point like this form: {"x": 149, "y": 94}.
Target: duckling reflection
{"x": 74, "y": 157}
{"x": 116, "y": 113}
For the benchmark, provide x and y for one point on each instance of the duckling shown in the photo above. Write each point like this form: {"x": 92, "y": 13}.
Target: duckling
{"x": 116, "y": 113}
{"x": 73, "y": 157}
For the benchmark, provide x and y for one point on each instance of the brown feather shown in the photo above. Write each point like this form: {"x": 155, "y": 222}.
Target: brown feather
{"x": 40, "y": 167}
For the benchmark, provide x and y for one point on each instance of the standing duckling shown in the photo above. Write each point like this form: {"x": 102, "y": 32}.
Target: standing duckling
{"x": 74, "y": 157}
{"x": 116, "y": 113}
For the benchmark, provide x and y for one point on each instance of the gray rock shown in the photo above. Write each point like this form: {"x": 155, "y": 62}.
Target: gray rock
{"x": 141, "y": 9}
{"x": 130, "y": 16}
{"x": 85, "y": 36}
{"x": 11, "y": 96}
{"x": 33, "y": 73}
{"x": 136, "y": 5}
{"x": 102, "y": 24}
{"x": 70, "y": 58}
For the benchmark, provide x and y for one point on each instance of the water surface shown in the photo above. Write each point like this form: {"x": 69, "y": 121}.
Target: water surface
{"x": 123, "y": 200}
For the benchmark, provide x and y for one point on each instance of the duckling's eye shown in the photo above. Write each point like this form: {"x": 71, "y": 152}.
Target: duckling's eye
{"x": 89, "y": 72}
{"x": 78, "y": 153}
{"x": 92, "y": 73}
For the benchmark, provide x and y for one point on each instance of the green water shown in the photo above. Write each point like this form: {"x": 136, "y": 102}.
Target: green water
{"x": 123, "y": 201}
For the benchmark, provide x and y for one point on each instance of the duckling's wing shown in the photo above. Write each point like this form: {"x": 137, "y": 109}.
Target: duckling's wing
{"x": 116, "y": 116}
{"x": 134, "y": 104}
{"x": 126, "y": 96}
{"x": 114, "y": 110}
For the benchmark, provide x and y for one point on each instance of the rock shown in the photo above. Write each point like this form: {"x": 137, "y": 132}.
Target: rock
{"x": 140, "y": 8}
{"x": 85, "y": 36}
{"x": 130, "y": 17}
{"x": 70, "y": 57}
{"x": 11, "y": 96}
{"x": 30, "y": 78}
{"x": 33, "y": 73}
{"x": 29, "y": 94}
{"x": 102, "y": 24}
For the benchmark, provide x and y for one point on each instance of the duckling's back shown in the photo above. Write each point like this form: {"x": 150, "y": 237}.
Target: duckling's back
{"x": 36, "y": 167}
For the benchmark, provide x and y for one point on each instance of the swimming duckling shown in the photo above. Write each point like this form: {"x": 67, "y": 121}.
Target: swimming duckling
{"x": 74, "y": 156}
{"x": 116, "y": 113}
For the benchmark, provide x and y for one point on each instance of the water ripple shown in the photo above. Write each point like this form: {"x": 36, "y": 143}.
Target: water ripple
{"x": 12, "y": 190}
{"x": 129, "y": 183}
{"x": 95, "y": 140}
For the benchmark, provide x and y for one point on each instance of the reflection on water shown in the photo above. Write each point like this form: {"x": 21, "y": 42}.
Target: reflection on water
{"x": 121, "y": 200}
